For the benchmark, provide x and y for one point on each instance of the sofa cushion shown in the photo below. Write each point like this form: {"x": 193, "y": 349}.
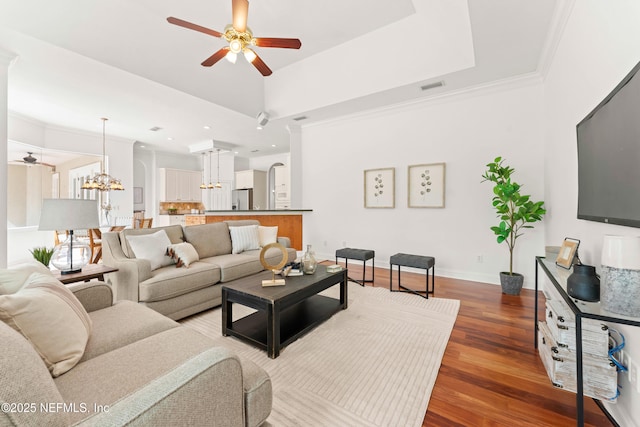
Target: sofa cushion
{"x": 244, "y": 238}
{"x": 174, "y": 232}
{"x": 25, "y": 379}
{"x": 267, "y": 235}
{"x": 53, "y": 320}
{"x": 235, "y": 266}
{"x": 169, "y": 282}
{"x": 121, "y": 324}
{"x": 183, "y": 254}
{"x": 152, "y": 247}
{"x": 114, "y": 377}
{"x": 209, "y": 239}
{"x": 14, "y": 278}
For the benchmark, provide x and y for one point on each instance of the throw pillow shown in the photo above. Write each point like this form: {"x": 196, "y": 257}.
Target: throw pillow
{"x": 267, "y": 235}
{"x": 183, "y": 254}
{"x": 152, "y": 247}
{"x": 12, "y": 279}
{"x": 51, "y": 318}
{"x": 244, "y": 238}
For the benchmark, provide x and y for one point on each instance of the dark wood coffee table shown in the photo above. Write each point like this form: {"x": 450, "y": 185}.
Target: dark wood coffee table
{"x": 284, "y": 313}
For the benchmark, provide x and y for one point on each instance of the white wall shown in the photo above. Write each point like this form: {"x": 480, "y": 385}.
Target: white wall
{"x": 466, "y": 132}
{"x": 600, "y": 45}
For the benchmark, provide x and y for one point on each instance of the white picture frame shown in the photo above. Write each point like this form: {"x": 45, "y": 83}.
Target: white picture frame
{"x": 426, "y": 185}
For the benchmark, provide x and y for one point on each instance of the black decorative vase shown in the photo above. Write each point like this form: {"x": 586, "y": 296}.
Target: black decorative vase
{"x": 584, "y": 283}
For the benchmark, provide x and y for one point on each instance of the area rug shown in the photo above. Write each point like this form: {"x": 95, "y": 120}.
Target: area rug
{"x": 373, "y": 364}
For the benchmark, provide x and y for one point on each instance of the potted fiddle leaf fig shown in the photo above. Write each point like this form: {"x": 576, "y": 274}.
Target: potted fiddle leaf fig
{"x": 516, "y": 213}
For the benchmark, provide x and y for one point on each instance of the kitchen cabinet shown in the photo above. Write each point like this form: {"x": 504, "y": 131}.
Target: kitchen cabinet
{"x": 251, "y": 179}
{"x": 282, "y": 192}
{"x": 257, "y": 180}
{"x": 178, "y": 185}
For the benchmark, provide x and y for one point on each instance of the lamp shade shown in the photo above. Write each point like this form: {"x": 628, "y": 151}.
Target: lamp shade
{"x": 69, "y": 214}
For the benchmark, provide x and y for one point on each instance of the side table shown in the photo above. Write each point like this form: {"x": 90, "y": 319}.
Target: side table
{"x": 89, "y": 271}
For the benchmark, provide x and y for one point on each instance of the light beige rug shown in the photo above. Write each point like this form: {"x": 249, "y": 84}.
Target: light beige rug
{"x": 373, "y": 364}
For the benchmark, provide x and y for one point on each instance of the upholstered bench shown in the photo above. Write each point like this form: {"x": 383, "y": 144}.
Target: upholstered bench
{"x": 361, "y": 255}
{"x": 413, "y": 261}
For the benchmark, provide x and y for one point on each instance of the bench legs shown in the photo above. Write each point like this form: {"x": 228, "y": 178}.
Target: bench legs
{"x": 364, "y": 271}
{"x": 423, "y": 294}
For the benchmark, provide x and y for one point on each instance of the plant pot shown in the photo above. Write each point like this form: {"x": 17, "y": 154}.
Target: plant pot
{"x": 511, "y": 285}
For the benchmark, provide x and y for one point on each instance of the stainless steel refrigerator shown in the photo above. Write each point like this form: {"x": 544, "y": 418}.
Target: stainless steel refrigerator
{"x": 242, "y": 200}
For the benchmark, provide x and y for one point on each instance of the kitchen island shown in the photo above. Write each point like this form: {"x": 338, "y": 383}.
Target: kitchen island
{"x": 289, "y": 221}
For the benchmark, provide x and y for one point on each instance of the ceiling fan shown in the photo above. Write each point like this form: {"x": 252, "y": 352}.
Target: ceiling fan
{"x": 240, "y": 38}
{"x": 30, "y": 160}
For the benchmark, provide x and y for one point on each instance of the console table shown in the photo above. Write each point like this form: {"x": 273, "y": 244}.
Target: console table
{"x": 581, "y": 309}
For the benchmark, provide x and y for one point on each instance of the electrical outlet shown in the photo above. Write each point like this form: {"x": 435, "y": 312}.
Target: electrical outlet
{"x": 480, "y": 259}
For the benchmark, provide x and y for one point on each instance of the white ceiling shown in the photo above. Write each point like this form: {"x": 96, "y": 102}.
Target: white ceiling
{"x": 80, "y": 61}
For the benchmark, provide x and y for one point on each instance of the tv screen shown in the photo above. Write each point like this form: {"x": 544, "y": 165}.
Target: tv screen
{"x": 609, "y": 157}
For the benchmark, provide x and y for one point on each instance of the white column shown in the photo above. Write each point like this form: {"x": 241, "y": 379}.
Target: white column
{"x": 295, "y": 166}
{"x": 6, "y": 58}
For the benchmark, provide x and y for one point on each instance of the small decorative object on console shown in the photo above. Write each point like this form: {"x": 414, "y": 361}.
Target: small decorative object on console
{"x": 334, "y": 268}
{"x": 568, "y": 254}
{"x": 309, "y": 263}
{"x": 273, "y": 268}
{"x": 584, "y": 283}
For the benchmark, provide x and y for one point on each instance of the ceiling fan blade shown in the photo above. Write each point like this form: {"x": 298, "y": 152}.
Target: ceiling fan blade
{"x": 240, "y": 11}
{"x": 277, "y": 42}
{"x": 215, "y": 57}
{"x": 191, "y": 26}
{"x": 261, "y": 66}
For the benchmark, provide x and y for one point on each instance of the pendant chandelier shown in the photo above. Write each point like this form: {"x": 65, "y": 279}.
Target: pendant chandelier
{"x": 210, "y": 186}
{"x": 203, "y": 186}
{"x": 102, "y": 181}
{"x": 218, "y": 184}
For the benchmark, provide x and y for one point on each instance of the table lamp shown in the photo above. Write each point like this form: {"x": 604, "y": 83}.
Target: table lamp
{"x": 69, "y": 214}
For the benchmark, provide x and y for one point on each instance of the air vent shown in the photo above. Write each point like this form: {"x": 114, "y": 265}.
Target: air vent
{"x": 254, "y": 151}
{"x": 155, "y": 129}
{"x": 432, "y": 85}
{"x": 297, "y": 119}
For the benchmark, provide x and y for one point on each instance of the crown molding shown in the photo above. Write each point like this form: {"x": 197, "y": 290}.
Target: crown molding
{"x": 559, "y": 21}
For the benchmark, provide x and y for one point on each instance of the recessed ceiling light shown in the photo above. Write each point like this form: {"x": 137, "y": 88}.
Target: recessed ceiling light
{"x": 170, "y": 139}
{"x": 235, "y": 152}
{"x": 207, "y": 127}
{"x": 273, "y": 145}
{"x": 142, "y": 146}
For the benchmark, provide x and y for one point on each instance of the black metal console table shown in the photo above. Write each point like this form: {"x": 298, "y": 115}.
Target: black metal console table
{"x": 580, "y": 309}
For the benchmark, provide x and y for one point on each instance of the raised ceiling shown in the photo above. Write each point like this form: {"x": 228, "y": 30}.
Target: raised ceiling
{"x": 79, "y": 61}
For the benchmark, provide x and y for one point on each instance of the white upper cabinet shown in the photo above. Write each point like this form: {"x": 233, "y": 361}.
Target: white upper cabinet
{"x": 178, "y": 185}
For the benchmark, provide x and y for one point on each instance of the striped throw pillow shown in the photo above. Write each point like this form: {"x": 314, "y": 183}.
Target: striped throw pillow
{"x": 244, "y": 238}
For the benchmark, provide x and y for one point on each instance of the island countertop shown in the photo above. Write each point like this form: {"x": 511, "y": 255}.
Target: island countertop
{"x": 289, "y": 221}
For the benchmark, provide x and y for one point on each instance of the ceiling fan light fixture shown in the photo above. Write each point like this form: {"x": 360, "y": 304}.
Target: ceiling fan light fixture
{"x": 249, "y": 54}
{"x": 231, "y": 57}
{"x": 235, "y": 46}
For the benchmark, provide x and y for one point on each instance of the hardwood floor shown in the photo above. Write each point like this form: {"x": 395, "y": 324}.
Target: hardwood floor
{"x": 491, "y": 374}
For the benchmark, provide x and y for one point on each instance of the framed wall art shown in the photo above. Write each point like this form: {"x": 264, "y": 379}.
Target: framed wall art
{"x": 379, "y": 188}
{"x": 138, "y": 196}
{"x": 426, "y": 185}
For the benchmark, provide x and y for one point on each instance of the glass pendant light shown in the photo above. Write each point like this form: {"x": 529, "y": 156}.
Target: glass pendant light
{"x": 210, "y": 186}
{"x": 203, "y": 186}
{"x": 218, "y": 184}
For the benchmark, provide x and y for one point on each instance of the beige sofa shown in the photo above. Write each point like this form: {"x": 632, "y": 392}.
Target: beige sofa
{"x": 138, "y": 368}
{"x": 180, "y": 292}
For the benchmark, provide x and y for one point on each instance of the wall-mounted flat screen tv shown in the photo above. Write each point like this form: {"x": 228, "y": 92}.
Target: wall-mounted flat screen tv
{"x": 609, "y": 157}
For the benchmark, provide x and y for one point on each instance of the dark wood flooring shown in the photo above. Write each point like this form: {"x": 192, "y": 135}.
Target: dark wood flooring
{"x": 491, "y": 374}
